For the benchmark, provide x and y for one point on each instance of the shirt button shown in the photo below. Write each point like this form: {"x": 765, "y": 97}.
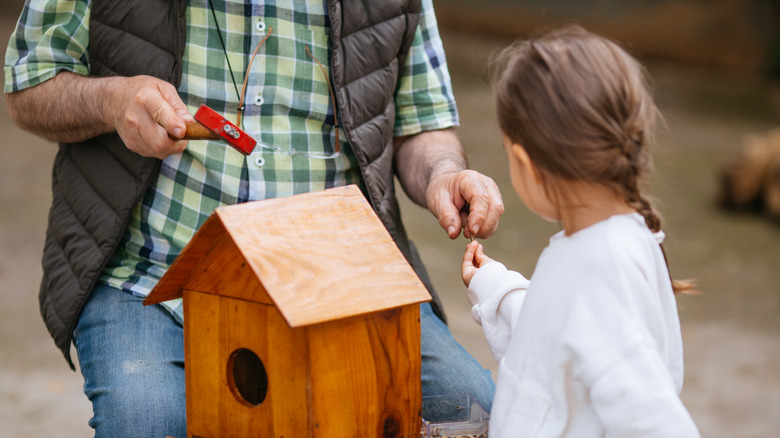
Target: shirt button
{"x": 259, "y": 161}
{"x": 259, "y": 99}
{"x": 260, "y": 26}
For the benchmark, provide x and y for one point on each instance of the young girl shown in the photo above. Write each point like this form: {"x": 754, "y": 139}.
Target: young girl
{"x": 591, "y": 346}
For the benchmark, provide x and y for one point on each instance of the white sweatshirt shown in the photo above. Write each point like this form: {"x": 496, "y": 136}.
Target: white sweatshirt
{"x": 591, "y": 346}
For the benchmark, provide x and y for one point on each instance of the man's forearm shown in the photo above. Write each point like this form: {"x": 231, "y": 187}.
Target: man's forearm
{"x": 66, "y": 108}
{"x": 422, "y": 157}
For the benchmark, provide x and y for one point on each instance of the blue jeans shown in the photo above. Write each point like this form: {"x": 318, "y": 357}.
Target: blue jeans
{"x": 132, "y": 360}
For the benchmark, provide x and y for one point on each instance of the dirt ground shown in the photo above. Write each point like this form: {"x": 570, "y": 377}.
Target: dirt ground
{"x": 732, "y": 347}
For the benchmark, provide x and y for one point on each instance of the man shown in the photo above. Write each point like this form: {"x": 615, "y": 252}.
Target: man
{"x": 114, "y": 83}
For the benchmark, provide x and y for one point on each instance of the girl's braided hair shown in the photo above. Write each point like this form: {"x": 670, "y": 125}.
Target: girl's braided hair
{"x": 582, "y": 109}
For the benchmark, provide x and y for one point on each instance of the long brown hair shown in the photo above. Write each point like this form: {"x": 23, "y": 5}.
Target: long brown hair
{"x": 582, "y": 109}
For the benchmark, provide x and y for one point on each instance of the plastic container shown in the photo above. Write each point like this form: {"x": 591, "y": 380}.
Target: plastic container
{"x": 453, "y": 416}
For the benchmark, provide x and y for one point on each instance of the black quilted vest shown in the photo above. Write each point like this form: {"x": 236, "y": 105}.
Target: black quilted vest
{"x": 97, "y": 183}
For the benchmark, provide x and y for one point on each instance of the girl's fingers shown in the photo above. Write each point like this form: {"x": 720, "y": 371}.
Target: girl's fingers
{"x": 469, "y": 254}
{"x": 467, "y": 267}
{"x": 480, "y": 258}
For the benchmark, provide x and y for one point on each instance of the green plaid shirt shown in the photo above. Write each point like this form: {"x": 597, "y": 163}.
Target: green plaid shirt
{"x": 288, "y": 111}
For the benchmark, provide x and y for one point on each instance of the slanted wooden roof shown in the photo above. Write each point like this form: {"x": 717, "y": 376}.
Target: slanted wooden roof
{"x": 320, "y": 256}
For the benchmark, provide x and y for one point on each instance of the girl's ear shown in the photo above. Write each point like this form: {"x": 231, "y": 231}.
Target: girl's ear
{"x": 519, "y": 152}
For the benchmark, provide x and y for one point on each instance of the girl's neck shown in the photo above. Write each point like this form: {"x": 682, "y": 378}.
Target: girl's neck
{"x": 586, "y": 204}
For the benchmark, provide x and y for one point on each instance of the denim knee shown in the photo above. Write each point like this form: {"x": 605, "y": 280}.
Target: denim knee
{"x": 140, "y": 399}
{"x": 447, "y": 368}
{"x": 132, "y": 360}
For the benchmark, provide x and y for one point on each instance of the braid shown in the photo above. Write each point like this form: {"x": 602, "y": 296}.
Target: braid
{"x": 644, "y": 207}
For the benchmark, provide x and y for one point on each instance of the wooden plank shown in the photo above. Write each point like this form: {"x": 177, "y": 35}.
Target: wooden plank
{"x": 202, "y": 368}
{"x": 322, "y": 256}
{"x": 287, "y": 361}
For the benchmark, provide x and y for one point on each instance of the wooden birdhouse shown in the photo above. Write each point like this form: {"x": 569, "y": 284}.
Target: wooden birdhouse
{"x": 301, "y": 318}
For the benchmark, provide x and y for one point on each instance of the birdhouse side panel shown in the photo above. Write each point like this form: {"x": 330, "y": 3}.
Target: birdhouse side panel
{"x": 366, "y": 375}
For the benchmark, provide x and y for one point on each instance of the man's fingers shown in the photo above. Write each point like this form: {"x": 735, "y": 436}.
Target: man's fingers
{"x": 478, "y": 211}
{"x": 172, "y": 97}
{"x": 446, "y": 210}
{"x": 464, "y": 219}
{"x": 156, "y": 142}
{"x": 449, "y": 194}
{"x": 449, "y": 219}
{"x": 164, "y": 115}
{"x": 495, "y": 209}
{"x": 485, "y": 204}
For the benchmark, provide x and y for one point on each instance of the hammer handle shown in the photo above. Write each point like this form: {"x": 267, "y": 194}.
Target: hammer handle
{"x": 196, "y": 131}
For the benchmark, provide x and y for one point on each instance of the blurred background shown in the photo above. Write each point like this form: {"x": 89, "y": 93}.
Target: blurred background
{"x": 715, "y": 67}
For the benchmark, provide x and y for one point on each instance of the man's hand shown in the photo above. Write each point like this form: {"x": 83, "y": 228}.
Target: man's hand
{"x": 147, "y": 114}
{"x": 433, "y": 171}
{"x": 71, "y": 108}
{"x": 465, "y": 200}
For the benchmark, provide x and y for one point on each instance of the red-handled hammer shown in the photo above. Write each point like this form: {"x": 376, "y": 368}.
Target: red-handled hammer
{"x": 210, "y": 125}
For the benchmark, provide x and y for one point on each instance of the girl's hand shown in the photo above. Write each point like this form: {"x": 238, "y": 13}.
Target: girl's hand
{"x": 473, "y": 259}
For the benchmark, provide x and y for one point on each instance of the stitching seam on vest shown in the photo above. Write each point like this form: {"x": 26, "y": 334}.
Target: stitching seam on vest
{"x": 92, "y": 238}
{"x": 394, "y": 17}
{"x": 385, "y": 68}
{"x": 95, "y": 192}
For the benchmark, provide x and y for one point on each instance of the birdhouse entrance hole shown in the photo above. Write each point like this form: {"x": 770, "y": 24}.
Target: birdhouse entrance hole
{"x": 247, "y": 378}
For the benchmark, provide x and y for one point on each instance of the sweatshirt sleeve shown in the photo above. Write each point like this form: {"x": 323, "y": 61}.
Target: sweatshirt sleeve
{"x": 499, "y": 294}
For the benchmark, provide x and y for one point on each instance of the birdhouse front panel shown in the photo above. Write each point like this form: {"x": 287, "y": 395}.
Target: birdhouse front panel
{"x": 224, "y": 271}
{"x": 224, "y": 398}
{"x": 250, "y": 374}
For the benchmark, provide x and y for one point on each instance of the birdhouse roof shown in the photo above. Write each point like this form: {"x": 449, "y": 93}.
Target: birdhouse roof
{"x": 320, "y": 256}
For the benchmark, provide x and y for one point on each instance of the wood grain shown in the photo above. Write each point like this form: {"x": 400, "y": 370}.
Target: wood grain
{"x": 366, "y": 375}
{"x": 323, "y": 256}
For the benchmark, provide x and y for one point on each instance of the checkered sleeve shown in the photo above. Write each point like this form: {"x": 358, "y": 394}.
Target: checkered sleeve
{"x": 51, "y": 36}
{"x": 424, "y": 100}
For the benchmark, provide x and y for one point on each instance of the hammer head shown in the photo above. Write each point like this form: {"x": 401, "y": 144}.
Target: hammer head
{"x": 220, "y": 128}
